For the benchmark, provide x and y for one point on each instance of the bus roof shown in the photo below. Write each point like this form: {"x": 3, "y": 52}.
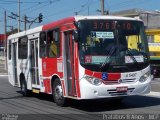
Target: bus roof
{"x": 68, "y": 20}
{"x": 27, "y": 32}
{"x": 77, "y": 18}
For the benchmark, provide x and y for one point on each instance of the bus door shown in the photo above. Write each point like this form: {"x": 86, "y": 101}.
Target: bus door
{"x": 14, "y": 56}
{"x": 34, "y": 63}
{"x": 69, "y": 63}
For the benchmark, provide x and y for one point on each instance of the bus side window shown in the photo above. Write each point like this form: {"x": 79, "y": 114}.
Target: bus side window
{"x": 53, "y": 46}
{"x": 42, "y": 44}
{"x": 9, "y": 50}
{"x": 23, "y": 47}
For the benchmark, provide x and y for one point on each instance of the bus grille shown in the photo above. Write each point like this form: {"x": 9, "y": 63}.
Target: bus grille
{"x": 113, "y": 92}
{"x": 119, "y": 81}
{"x": 111, "y": 82}
{"x": 127, "y": 80}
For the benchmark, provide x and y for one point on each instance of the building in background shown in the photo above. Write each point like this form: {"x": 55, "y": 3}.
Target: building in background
{"x": 2, "y": 45}
{"x": 151, "y": 21}
{"x": 150, "y": 18}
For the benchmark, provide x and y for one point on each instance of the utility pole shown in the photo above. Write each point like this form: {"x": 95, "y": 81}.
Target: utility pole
{"x": 88, "y": 10}
{"x": 102, "y": 7}
{"x": 5, "y": 39}
{"x": 18, "y": 15}
{"x": 25, "y": 22}
{"x": 39, "y": 18}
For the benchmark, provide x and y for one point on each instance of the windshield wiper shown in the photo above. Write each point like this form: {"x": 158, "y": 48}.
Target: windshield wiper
{"x": 141, "y": 48}
{"x": 144, "y": 55}
{"x": 107, "y": 61}
{"x": 133, "y": 58}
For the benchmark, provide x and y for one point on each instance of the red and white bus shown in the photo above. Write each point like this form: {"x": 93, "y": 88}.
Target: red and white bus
{"x": 81, "y": 57}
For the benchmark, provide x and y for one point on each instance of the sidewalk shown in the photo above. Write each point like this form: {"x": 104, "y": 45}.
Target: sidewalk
{"x": 155, "y": 85}
{"x": 2, "y": 68}
{"x": 3, "y": 72}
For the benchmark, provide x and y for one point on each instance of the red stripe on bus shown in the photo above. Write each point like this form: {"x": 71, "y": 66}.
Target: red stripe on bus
{"x": 77, "y": 71}
{"x": 94, "y": 74}
{"x": 114, "y": 76}
{"x": 47, "y": 85}
{"x": 78, "y": 89}
{"x": 63, "y": 88}
{"x": 58, "y": 23}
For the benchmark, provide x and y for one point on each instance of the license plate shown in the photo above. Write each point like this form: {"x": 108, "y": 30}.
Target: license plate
{"x": 122, "y": 89}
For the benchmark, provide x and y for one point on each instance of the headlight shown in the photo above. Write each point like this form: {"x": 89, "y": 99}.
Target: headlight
{"x": 92, "y": 80}
{"x": 144, "y": 77}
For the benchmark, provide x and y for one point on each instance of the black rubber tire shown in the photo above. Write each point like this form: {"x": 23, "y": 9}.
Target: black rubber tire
{"x": 24, "y": 90}
{"x": 57, "y": 92}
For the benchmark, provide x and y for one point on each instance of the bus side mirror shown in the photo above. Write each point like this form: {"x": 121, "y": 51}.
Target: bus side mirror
{"x": 75, "y": 35}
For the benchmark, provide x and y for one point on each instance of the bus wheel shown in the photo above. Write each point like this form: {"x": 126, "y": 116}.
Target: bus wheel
{"x": 24, "y": 90}
{"x": 58, "y": 93}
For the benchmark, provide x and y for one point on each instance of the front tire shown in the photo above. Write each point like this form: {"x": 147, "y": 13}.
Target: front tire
{"x": 58, "y": 93}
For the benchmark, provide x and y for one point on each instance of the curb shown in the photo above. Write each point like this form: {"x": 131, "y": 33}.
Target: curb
{"x": 3, "y": 74}
{"x": 153, "y": 94}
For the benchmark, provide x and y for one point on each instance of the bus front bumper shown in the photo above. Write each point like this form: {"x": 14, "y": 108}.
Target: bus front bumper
{"x": 89, "y": 91}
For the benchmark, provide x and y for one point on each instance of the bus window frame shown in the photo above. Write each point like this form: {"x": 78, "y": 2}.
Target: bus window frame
{"x": 20, "y": 49}
{"x": 45, "y": 48}
{"x": 57, "y": 42}
{"x": 9, "y": 50}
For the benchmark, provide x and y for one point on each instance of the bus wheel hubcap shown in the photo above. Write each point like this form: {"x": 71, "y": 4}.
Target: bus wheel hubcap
{"x": 58, "y": 92}
{"x": 23, "y": 87}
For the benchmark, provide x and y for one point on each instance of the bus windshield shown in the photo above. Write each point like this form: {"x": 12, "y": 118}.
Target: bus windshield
{"x": 112, "y": 45}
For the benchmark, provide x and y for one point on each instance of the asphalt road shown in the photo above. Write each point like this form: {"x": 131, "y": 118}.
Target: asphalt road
{"x": 41, "y": 107}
